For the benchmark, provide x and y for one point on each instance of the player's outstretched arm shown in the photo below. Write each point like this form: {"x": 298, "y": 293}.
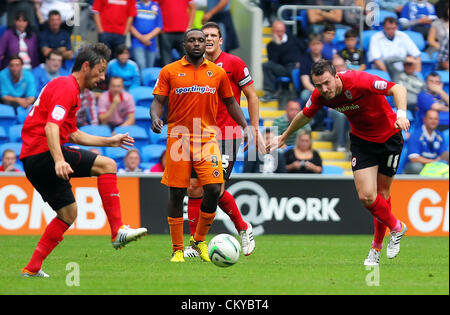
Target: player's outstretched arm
{"x": 236, "y": 113}
{"x": 298, "y": 122}
{"x": 119, "y": 140}
{"x": 62, "y": 168}
{"x": 400, "y": 99}
{"x": 156, "y": 111}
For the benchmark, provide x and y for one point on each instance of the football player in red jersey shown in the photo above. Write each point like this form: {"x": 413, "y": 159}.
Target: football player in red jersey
{"x": 230, "y": 136}
{"x": 376, "y": 140}
{"x": 49, "y": 165}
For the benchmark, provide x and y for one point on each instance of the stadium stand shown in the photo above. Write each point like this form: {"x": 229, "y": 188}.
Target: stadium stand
{"x": 16, "y": 146}
{"x": 138, "y": 133}
{"x": 152, "y": 152}
{"x": 3, "y": 136}
{"x": 150, "y": 76}
{"x": 142, "y": 117}
{"x": 97, "y": 130}
{"x": 15, "y": 133}
{"x": 22, "y": 114}
{"x": 7, "y": 116}
{"x": 332, "y": 170}
{"x": 142, "y": 95}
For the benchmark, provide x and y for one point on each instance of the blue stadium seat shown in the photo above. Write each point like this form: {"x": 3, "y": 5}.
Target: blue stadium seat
{"x": 97, "y": 130}
{"x": 2, "y": 29}
{"x": 138, "y": 133}
{"x": 296, "y": 79}
{"x": 238, "y": 167}
{"x": 16, "y": 146}
{"x": 382, "y": 74}
{"x": 152, "y": 152}
{"x": 444, "y": 78}
{"x": 302, "y": 17}
{"x": 116, "y": 153}
{"x": 445, "y": 133}
{"x": 150, "y": 76}
{"x": 382, "y": 14}
{"x": 68, "y": 64}
{"x": 22, "y": 114}
{"x": 367, "y": 35}
{"x": 283, "y": 81}
{"x": 7, "y": 116}
{"x": 142, "y": 117}
{"x": 428, "y": 63}
{"x": 158, "y": 138}
{"x": 3, "y": 136}
{"x": 332, "y": 170}
{"x": 403, "y": 159}
{"x": 146, "y": 165}
{"x": 417, "y": 38}
{"x": 142, "y": 95}
{"x": 100, "y": 149}
{"x": 15, "y": 133}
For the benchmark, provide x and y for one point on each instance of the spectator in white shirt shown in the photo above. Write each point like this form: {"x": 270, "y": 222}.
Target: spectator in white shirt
{"x": 392, "y": 46}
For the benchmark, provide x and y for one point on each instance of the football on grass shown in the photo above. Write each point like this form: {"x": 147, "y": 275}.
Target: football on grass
{"x": 224, "y": 250}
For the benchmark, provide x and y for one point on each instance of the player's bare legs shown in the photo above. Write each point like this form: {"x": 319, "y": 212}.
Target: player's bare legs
{"x": 373, "y": 198}
{"x": 226, "y": 203}
{"x": 105, "y": 169}
{"x": 52, "y": 236}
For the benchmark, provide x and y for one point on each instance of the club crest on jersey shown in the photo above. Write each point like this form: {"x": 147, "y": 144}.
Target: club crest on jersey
{"x": 216, "y": 173}
{"x": 354, "y": 161}
{"x": 348, "y": 94}
{"x": 380, "y": 85}
{"x": 58, "y": 112}
{"x": 209, "y": 73}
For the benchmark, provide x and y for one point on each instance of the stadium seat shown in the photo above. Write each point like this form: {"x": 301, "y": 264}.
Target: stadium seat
{"x": 238, "y": 167}
{"x": 367, "y": 35}
{"x": 382, "y": 14}
{"x": 150, "y": 76}
{"x": 428, "y": 63}
{"x": 16, "y": 146}
{"x": 116, "y": 153}
{"x": 417, "y": 38}
{"x": 332, "y": 170}
{"x": 146, "y": 166}
{"x": 382, "y": 74}
{"x": 22, "y": 114}
{"x": 7, "y": 116}
{"x": 15, "y": 133}
{"x": 3, "y": 136}
{"x": 138, "y": 133}
{"x": 142, "y": 95}
{"x": 283, "y": 81}
{"x": 97, "y": 130}
{"x": 302, "y": 17}
{"x": 403, "y": 160}
{"x": 100, "y": 149}
{"x": 444, "y": 78}
{"x": 142, "y": 117}
{"x": 445, "y": 133}
{"x": 296, "y": 79}
{"x": 2, "y": 29}
{"x": 158, "y": 138}
{"x": 68, "y": 64}
{"x": 152, "y": 152}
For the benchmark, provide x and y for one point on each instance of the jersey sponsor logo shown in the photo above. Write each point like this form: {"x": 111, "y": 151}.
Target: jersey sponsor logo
{"x": 347, "y": 108}
{"x": 181, "y": 74}
{"x": 348, "y": 94}
{"x": 380, "y": 85}
{"x": 246, "y": 72}
{"x": 195, "y": 89}
{"x": 58, "y": 112}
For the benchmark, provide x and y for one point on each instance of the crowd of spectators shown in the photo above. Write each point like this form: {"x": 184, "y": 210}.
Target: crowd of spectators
{"x": 36, "y": 47}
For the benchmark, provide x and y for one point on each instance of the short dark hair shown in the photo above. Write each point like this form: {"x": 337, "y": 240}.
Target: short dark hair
{"x": 433, "y": 74}
{"x": 14, "y": 57}
{"x": 351, "y": 34}
{"x": 329, "y": 27}
{"x": 93, "y": 53}
{"x": 189, "y": 31}
{"x": 320, "y": 67}
{"x": 54, "y": 52}
{"x": 391, "y": 20}
{"x": 212, "y": 25}
{"x": 121, "y": 49}
{"x": 53, "y": 12}
{"x": 314, "y": 36}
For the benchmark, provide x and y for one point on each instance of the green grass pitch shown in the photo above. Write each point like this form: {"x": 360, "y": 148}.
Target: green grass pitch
{"x": 280, "y": 265}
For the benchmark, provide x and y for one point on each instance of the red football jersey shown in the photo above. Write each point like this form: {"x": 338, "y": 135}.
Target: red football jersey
{"x": 363, "y": 102}
{"x": 58, "y": 103}
{"x": 239, "y": 77}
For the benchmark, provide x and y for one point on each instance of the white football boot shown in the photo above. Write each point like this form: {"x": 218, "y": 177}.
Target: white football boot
{"x": 40, "y": 274}
{"x": 373, "y": 259}
{"x": 247, "y": 240}
{"x": 189, "y": 252}
{"x": 393, "y": 247}
{"x": 126, "y": 235}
